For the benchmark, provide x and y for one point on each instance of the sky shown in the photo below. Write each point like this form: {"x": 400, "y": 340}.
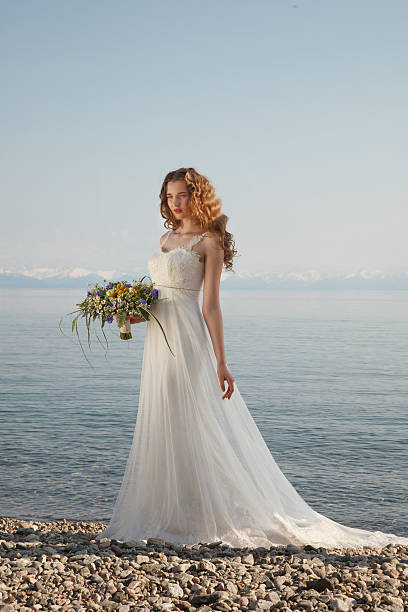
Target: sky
{"x": 294, "y": 110}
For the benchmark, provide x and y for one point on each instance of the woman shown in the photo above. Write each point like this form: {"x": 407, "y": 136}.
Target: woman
{"x": 199, "y": 469}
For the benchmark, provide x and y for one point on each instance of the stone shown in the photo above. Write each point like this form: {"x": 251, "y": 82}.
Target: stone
{"x": 248, "y": 559}
{"x": 206, "y": 565}
{"x": 279, "y": 582}
{"x": 306, "y": 604}
{"x": 291, "y": 548}
{"x": 155, "y": 542}
{"x": 174, "y": 590}
{"x": 231, "y": 587}
{"x": 273, "y": 597}
{"x": 22, "y": 562}
{"x": 208, "y": 598}
{"x": 151, "y": 568}
{"x": 108, "y": 604}
{"x": 342, "y": 605}
{"x": 320, "y": 584}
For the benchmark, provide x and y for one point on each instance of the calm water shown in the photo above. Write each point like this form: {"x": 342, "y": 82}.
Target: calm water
{"x": 324, "y": 375}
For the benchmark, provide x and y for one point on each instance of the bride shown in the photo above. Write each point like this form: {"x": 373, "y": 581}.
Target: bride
{"x": 199, "y": 469}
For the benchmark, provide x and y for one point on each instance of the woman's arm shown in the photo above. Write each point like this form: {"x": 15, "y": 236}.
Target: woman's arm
{"x": 132, "y": 320}
{"x": 211, "y": 309}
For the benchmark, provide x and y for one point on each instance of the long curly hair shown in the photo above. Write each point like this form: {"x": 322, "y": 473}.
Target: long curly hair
{"x": 205, "y": 209}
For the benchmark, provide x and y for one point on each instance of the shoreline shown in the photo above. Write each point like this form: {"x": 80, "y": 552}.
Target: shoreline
{"x": 59, "y": 565}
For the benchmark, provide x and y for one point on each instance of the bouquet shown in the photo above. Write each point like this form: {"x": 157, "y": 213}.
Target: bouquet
{"x": 104, "y": 302}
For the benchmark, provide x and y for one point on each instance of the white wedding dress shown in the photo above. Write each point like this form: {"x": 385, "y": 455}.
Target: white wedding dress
{"x": 199, "y": 469}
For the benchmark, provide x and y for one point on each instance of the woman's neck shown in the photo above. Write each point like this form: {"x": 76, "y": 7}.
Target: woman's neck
{"x": 188, "y": 228}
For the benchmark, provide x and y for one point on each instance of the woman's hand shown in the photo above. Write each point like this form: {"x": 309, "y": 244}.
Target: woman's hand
{"x": 224, "y": 374}
{"x": 131, "y": 319}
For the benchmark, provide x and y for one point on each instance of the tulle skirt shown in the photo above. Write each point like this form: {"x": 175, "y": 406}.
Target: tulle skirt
{"x": 199, "y": 469}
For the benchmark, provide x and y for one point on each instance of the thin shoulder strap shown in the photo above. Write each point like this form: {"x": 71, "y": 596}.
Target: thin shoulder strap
{"x": 165, "y": 240}
{"x": 194, "y": 241}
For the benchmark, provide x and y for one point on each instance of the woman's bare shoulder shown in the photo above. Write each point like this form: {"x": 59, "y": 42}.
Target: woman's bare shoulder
{"x": 163, "y": 236}
{"x": 212, "y": 240}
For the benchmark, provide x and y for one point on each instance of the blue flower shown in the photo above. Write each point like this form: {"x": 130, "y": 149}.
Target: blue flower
{"x": 142, "y": 301}
{"x": 109, "y": 319}
{"x": 155, "y": 293}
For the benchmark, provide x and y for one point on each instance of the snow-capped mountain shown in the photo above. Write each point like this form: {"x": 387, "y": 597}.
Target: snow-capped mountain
{"x": 80, "y": 278}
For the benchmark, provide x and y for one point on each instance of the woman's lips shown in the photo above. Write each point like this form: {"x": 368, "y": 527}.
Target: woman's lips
{"x": 177, "y": 210}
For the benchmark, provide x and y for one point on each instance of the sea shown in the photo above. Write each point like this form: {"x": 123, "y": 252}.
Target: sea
{"x": 323, "y": 373}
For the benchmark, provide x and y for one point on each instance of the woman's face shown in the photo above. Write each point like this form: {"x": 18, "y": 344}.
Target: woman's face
{"x": 178, "y": 199}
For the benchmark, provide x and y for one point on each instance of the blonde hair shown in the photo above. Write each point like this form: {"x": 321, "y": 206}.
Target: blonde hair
{"x": 205, "y": 209}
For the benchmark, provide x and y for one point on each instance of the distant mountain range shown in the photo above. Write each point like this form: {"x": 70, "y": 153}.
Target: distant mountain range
{"x": 79, "y": 278}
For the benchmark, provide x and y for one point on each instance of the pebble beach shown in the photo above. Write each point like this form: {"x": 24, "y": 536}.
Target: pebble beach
{"x": 59, "y": 565}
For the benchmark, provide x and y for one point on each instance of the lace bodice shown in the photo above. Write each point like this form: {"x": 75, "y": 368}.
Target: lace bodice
{"x": 179, "y": 267}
